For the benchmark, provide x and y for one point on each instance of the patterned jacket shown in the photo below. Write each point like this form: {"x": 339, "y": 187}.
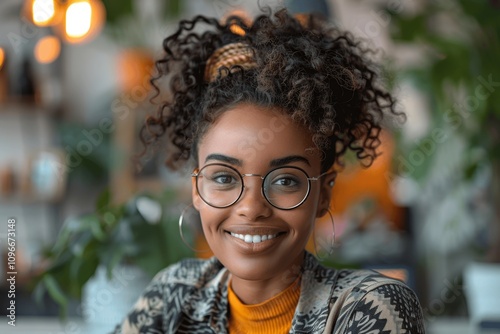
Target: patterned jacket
{"x": 191, "y": 297}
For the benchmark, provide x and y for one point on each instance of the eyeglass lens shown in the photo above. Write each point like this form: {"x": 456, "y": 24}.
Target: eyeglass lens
{"x": 221, "y": 186}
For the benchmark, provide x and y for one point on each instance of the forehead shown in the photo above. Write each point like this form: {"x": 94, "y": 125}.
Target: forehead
{"x": 253, "y": 133}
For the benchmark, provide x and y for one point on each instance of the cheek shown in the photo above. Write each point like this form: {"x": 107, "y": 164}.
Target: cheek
{"x": 313, "y": 201}
{"x": 303, "y": 218}
{"x": 211, "y": 218}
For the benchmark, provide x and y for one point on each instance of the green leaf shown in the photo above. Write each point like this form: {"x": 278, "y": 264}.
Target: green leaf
{"x": 103, "y": 202}
{"x": 495, "y": 153}
{"x": 113, "y": 259}
{"x": 55, "y": 291}
{"x": 39, "y": 292}
{"x": 89, "y": 168}
{"x": 83, "y": 268}
{"x": 408, "y": 29}
{"x": 97, "y": 231}
{"x": 117, "y": 9}
{"x": 173, "y": 8}
{"x": 470, "y": 170}
{"x": 70, "y": 231}
{"x": 80, "y": 242}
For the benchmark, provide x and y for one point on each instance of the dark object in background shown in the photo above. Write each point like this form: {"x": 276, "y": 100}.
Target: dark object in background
{"x": 26, "y": 83}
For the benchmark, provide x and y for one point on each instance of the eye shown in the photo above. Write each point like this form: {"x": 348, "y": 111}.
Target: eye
{"x": 224, "y": 179}
{"x": 285, "y": 181}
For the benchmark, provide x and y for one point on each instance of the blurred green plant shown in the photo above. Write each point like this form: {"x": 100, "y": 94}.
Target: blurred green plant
{"x": 126, "y": 27}
{"x": 460, "y": 73}
{"x": 460, "y": 77}
{"x": 88, "y": 160}
{"x": 140, "y": 232}
{"x": 119, "y": 9}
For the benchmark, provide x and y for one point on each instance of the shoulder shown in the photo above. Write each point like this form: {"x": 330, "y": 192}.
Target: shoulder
{"x": 164, "y": 299}
{"x": 348, "y": 299}
{"x": 361, "y": 281}
{"x": 368, "y": 297}
{"x": 356, "y": 285}
{"x": 181, "y": 280}
{"x": 341, "y": 281}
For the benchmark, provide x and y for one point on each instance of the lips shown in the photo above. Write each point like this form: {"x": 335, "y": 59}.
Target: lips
{"x": 256, "y": 238}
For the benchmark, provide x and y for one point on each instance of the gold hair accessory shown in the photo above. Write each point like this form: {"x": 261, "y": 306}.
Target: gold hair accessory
{"x": 234, "y": 54}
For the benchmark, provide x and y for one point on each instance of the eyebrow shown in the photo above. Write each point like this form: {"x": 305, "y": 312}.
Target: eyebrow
{"x": 274, "y": 163}
{"x": 224, "y": 158}
{"x": 289, "y": 159}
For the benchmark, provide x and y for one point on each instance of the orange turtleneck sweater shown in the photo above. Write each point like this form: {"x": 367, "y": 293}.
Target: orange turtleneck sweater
{"x": 274, "y": 315}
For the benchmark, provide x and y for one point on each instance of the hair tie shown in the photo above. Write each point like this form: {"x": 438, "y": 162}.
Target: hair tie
{"x": 233, "y": 54}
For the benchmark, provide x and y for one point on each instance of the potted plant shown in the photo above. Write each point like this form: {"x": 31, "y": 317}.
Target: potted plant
{"x": 457, "y": 163}
{"x": 458, "y": 76}
{"x": 140, "y": 233}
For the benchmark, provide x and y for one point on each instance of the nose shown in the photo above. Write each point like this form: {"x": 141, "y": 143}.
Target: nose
{"x": 252, "y": 204}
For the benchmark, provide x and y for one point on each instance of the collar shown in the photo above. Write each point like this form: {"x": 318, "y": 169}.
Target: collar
{"x": 208, "y": 293}
{"x": 316, "y": 290}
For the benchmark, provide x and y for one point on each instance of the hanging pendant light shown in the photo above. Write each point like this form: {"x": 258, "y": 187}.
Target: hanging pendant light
{"x": 73, "y": 21}
{"x": 42, "y": 13}
{"x": 78, "y": 20}
{"x": 83, "y": 20}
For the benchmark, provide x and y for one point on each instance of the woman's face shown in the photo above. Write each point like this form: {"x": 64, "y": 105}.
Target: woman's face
{"x": 254, "y": 140}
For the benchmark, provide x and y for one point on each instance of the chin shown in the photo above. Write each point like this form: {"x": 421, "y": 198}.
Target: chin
{"x": 263, "y": 267}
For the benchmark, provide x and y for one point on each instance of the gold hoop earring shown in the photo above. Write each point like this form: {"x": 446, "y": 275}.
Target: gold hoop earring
{"x": 181, "y": 219}
{"x": 330, "y": 243}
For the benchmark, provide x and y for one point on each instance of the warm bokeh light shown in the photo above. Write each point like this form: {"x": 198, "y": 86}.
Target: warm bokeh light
{"x": 78, "y": 19}
{"x": 43, "y": 12}
{"x": 2, "y": 57}
{"x": 47, "y": 49}
{"x": 82, "y": 20}
{"x": 134, "y": 69}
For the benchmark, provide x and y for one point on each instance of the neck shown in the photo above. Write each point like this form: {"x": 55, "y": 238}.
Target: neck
{"x": 257, "y": 291}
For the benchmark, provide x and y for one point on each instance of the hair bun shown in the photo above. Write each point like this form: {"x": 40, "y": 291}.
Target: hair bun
{"x": 230, "y": 55}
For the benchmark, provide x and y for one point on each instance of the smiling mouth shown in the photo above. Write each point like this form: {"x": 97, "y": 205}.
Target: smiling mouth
{"x": 254, "y": 238}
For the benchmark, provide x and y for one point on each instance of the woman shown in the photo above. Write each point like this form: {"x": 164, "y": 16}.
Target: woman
{"x": 265, "y": 112}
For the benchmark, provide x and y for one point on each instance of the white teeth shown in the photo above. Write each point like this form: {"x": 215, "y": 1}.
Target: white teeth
{"x": 253, "y": 238}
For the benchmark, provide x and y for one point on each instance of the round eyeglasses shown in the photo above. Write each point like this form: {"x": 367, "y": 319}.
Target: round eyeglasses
{"x": 285, "y": 188}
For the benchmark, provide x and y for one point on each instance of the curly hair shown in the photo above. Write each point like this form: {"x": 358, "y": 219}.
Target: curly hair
{"x": 318, "y": 75}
